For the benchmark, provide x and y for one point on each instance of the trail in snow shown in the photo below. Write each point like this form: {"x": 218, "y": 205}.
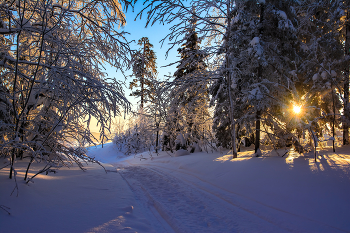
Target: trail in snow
{"x": 193, "y": 205}
{"x": 188, "y": 209}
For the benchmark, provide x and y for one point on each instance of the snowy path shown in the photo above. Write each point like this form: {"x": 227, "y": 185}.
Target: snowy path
{"x": 190, "y": 204}
{"x": 200, "y": 192}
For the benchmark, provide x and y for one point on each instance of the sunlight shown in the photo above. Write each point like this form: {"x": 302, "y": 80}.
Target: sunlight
{"x": 241, "y": 156}
{"x": 297, "y": 109}
{"x": 112, "y": 224}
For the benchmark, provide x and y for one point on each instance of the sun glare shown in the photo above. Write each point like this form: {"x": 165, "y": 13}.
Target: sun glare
{"x": 296, "y": 109}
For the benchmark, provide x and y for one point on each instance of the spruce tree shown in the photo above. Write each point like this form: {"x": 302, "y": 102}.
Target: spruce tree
{"x": 221, "y": 122}
{"x": 189, "y": 110}
{"x": 259, "y": 53}
{"x": 144, "y": 70}
{"x": 322, "y": 36}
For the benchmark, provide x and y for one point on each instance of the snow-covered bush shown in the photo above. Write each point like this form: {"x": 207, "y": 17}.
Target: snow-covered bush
{"x": 139, "y": 137}
{"x": 134, "y": 140}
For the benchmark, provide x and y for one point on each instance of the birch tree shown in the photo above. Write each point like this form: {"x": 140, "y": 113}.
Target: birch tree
{"x": 52, "y": 78}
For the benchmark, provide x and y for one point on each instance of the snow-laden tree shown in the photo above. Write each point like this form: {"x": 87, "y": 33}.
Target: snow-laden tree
{"x": 52, "y": 83}
{"x": 323, "y": 70}
{"x": 189, "y": 102}
{"x": 346, "y": 33}
{"x": 258, "y": 67}
{"x": 139, "y": 136}
{"x": 244, "y": 35}
{"x": 144, "y": 70}
{"x": 221, "y": 122}
{"x": 157, "y": 110}
{"x": 212, "y": 22}
{"x": 259, "y": 50}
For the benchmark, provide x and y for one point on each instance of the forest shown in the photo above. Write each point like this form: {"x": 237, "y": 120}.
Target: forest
{"x": 264, "y": 72}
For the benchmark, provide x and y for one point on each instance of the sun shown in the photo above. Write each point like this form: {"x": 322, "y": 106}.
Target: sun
{"x": 296, "y": 109}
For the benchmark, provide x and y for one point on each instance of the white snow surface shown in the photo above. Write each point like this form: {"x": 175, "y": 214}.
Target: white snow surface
{"x": 199, "y": 192}
{"x": 181, "y": 152}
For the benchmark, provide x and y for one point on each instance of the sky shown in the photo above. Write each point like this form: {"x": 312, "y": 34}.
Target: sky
{"x": 155, "y": 34}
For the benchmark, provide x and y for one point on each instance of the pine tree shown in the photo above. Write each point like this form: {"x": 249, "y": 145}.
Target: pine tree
{"x": 188, "y": 110}
{"x": 144, "y": 70}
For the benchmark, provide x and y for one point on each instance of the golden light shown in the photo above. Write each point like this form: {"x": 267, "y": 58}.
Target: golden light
{"x": 296, "y": 109}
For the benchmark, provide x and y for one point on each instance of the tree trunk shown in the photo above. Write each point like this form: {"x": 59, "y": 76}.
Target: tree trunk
{"x": 143, "y": 75}
{"x": 157, "y": 125}
{"x": 16, "y": 116}
{"x": 228, "y": 79}
{"x": 13, "y": 157}
{"x": 346, "y": 84}
{"x": 333, "y": 118}
{"x": 258, "y": 112}
{"x": 257, "y": 132}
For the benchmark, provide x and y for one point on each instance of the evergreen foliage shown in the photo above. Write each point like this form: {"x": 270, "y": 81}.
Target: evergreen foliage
{"x": 188, "y": 113}
{"x": 272, "y": 55}
{"x": 144, "y": 71}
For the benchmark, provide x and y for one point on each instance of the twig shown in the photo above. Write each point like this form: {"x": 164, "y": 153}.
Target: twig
{"x": 5, "y": 208}
{"x": 15, "y": 178}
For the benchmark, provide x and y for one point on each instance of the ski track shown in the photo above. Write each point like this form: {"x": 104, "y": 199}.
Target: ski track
{"x": 193, "y": 205}
{"x": 296, "y": 223}
{"x": 189, "y": 209}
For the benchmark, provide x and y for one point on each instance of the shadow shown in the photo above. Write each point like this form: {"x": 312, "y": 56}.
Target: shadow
{"x": 328, "y": 162}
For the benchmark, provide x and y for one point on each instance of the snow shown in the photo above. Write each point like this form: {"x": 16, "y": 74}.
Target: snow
{"x": 180, "y": 139}
{"x": 255, "y": 94}
{"x": 333, "y": 74}
{"x": 236, "y": 18}
{"x": 258, "y": 153}
{"x": 181, "y": 152}
{"x": 282, "y": 14}
{"x": 254, "y": 41}
{"x": 72, "y": 201}
{"x": 199, "y": 192}
{"x": 304, "y": 47}
{"x": 324, "y": 74}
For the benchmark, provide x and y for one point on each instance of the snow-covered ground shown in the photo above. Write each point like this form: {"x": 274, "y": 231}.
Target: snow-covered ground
{"x": 200, "y": 192}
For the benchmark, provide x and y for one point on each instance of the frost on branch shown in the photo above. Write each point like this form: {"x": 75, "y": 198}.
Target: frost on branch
{"x": 52, "y": 80}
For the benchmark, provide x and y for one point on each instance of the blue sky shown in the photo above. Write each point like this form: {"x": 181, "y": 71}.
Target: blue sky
{"x": 155, "y": 33}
